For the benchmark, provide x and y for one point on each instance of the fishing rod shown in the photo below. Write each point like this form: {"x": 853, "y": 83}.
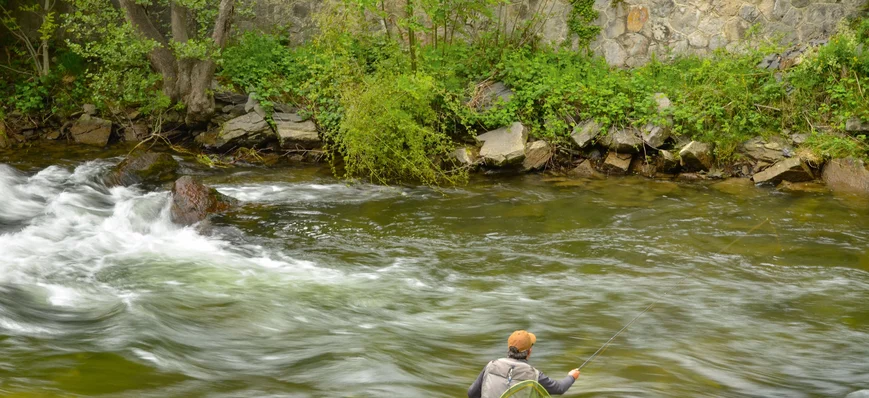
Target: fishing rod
{"x": 658, "y": 300}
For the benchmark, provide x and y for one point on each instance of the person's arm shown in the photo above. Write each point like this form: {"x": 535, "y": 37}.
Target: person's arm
{"x": 476, "y": 389}
{"x": 558, "y": 387}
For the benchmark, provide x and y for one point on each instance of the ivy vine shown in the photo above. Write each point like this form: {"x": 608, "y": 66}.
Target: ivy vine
{"x": 581, "y": 22}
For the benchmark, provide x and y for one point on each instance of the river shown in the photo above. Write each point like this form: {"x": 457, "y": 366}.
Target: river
{"x": 316, "y": 287}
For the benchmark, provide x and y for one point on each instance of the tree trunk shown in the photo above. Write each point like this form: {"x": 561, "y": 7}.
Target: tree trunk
{"x": 45, "y": 60}
{"x": 185, "y": 80}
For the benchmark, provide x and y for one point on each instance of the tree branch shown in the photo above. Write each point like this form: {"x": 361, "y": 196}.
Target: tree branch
{"x": 223, "y": 22}
{"x": 179, "y": 22}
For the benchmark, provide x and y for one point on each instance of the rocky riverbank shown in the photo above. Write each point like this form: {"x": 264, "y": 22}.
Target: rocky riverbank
{"x": 243, "y": 127}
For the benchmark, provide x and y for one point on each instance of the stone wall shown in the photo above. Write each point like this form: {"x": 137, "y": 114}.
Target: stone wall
{"x": 633, "y": 30}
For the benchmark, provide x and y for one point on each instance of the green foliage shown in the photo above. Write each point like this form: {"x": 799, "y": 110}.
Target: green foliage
{"x": 581, "y": 20}
{"x": 119, "y": 74}
{"x": 391, "y": 132}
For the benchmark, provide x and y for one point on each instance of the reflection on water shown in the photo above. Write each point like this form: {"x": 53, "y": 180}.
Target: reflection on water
{"x": 319, "y": 288}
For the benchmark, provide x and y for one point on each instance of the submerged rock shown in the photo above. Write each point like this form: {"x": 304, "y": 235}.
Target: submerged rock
{"x": 143, "y": 168}
{"x": 91, "y": 130}
{"x": 250, "y": 130}
{"x": 504, "y": 146}
{"x": 192, "y": 201}
{"x": 696, "y": 156}
{"x": 584, "y": 133}
{"x": 847, "y": 175}
{"x": 537, "y": 155}
{"x": 792, "y": 169}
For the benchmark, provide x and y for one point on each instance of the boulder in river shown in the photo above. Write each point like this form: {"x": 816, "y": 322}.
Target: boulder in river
{"x": 537, "y": 155}
{"x": 192, "y": 201}
{"x": 847, "y": 175}
{"x": 90, "y": 130}
{"x": 143, "y": 168}
{"x": 504, "y": 146}
{"x": 250, "y": 130}
{"x": 696, "y": 156}
{"x": 584, "y": 133}
{"x": 627, "y": 140}
{"x": 791, "y": 169}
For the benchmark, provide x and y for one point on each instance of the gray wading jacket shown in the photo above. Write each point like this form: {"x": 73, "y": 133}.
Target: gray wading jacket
{"x": 492, "y": 381}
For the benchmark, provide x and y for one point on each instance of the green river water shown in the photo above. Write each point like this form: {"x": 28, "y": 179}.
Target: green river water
{"x": 315, "y": 287}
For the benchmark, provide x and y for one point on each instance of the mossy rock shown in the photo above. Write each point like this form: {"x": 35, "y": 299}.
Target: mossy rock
{"x": 144, "y": 168}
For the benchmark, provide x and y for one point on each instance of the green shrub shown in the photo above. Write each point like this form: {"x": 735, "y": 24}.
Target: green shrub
{"x": 390, "y": 131}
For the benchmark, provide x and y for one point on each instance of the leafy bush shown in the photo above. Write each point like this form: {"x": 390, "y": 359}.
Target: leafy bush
{"x": 390, "y": 131}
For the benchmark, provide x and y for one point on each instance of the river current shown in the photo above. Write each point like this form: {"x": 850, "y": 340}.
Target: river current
{"x": 315, "y": 287}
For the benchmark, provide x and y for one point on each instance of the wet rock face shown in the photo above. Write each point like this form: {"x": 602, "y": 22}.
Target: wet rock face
{"x": 504, "y": 146}
{"x": 847, "y": 175}
{"x": 193, "y": 202}
{"x": 617, "y": 163}
{"x": 144, "y": 168}
{"x": 91, "y": 130}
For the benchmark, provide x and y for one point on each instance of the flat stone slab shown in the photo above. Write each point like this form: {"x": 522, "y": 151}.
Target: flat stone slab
{"x": 792, "y": 169}
{"x": 91, "y": 130}
{"x": 298, "y": 135}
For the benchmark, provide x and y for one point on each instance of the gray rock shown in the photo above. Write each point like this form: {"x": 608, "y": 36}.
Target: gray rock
{"x": 490, "y": 95}
{"x": 655, "y": 136}
{"x": 193, "y": 202}
{"x": 504, "y": 146}
{"x": 466, "y": 156}
{"x": 696, "y": 156}
{"x": 52, "y": 135}
{"x": 89, "y": 109}
{"x": 617, "y": 163}
{"x": 287, "y": 117}
{"x": 663, "y": 102}
{"x": 799, "y": 138}
{"x": 143, "y": 168}
{"x": 668, "y": 162}
{"x": 855, "y": 125}
{"x": 791, "y": 169}
{"x": 249, "y": 130}
{"x": 136, "y": 132}
{"x": 584, "y": 170}
{"x": 585, "y": 132}
{"x": 769, "y": 150}
{"x": 298, "y": 135}
{"x": 847, "y": 175}
{"x": 537, "y": 155}
{"x": 231, "y": 98}
{"x": 626, "y": 140}
{"x": 253, "y": 105}
{"x": 91, "y": 130}
{"x": 234, "y": 110}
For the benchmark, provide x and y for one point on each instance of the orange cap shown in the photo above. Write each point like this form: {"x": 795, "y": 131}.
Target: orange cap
{"x": 522, "y": 340}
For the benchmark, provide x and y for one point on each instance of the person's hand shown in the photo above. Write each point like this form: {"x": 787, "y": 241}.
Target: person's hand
{"x": 574, "y": 373}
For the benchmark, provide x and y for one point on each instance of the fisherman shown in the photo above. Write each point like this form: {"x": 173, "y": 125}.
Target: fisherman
{"x": 501, "y": 374}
